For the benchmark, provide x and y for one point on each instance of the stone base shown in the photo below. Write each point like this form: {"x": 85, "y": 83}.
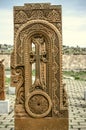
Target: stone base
{"x": 4, "y": 106}
{"x": 41, "y": 124}
{"x": 12, "y": 90}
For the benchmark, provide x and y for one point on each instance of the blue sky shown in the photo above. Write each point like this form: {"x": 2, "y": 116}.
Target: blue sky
{"x": 73, "y": 20}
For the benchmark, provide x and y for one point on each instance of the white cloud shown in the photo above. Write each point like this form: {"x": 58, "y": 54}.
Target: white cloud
{"x": 6, "y": 27}
{"x": 74, "y": 31}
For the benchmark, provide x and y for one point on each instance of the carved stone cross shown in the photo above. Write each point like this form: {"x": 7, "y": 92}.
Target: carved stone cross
{"x": 38, "y": 56}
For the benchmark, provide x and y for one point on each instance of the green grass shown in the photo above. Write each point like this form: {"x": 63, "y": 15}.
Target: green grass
{"x": 7, "y": 80}
{"x": 81, "y": 75}
{"x": 33, "y": 72}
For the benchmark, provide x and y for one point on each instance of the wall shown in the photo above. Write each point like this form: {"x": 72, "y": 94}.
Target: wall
{"x": 74, "y": 62}
{"x": 70, "y": 62}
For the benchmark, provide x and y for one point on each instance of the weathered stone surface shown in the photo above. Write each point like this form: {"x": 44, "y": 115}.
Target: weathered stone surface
{"x": 2, "y": 93}
{"x": 38, "y": 42}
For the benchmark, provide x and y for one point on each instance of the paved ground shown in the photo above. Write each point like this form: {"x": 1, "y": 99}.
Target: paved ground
{"x": 77, "y": 104}
{"x": 77, "y": 107}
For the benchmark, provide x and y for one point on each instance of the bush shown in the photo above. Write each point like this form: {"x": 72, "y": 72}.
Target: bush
{"x": 77, "y": 77}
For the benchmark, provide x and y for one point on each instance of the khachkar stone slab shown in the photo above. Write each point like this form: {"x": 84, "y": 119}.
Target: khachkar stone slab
{"x": 41, "y": 104}
{"x": 2, "y": 81}
{"x": 4, "y": 108}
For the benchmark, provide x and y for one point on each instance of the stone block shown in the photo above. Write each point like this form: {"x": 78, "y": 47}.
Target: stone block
{"x": 85, "y": 94}
{"x": 12, "y": 90}
{"x": 4, "y": 106}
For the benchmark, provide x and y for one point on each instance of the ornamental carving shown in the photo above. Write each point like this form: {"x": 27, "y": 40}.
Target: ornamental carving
{"x": 21, "y": 17}
{"x": 38, "y": 104}
{"x": 17, "y": 81}
{"x": 53, "y": 16}
{"x": 36, "y": 68}
{"x": 37, "y": 15}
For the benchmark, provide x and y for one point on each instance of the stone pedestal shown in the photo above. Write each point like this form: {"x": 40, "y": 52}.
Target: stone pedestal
{"x": 4, "y": 106}
{"x": 41, "y": 124}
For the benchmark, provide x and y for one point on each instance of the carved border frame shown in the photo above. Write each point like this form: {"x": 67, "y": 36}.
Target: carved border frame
{"x": 50, "y": 25}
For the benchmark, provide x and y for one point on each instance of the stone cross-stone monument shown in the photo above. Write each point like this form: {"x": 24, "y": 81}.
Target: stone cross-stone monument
{"x": 40, "y": 104}
{"x": 2, "y": 81}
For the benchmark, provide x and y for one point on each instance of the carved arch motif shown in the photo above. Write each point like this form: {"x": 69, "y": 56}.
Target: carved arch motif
{"x": 28, "y": 32}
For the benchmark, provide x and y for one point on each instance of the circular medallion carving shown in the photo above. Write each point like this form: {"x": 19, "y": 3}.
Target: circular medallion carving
{"x": 38, "y": 104}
